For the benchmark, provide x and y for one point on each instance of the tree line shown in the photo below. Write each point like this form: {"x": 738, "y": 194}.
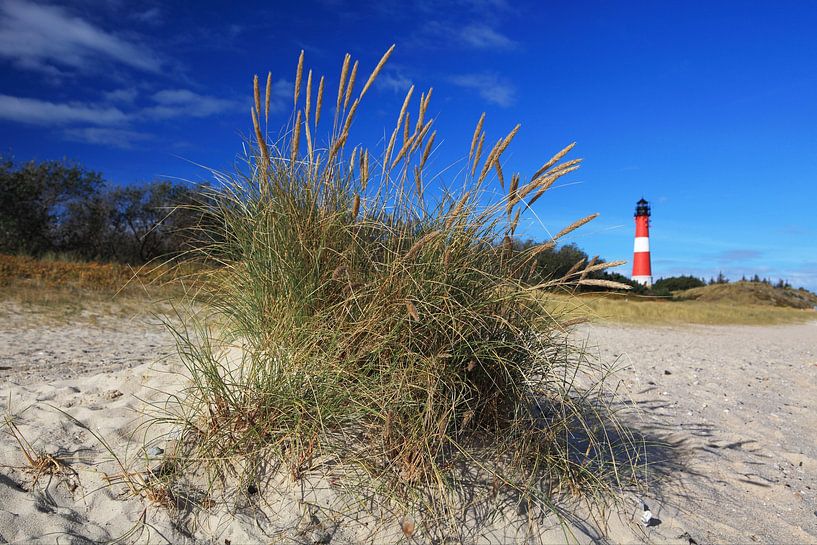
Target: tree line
{"x": 58, "y": 207}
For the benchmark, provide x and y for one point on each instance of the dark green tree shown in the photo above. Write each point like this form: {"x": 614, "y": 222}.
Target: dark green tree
{"x": 678, "y": 283}
{"x": 34, "y": 201}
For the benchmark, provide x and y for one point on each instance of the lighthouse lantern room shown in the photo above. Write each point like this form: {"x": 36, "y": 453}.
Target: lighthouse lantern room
{"x": 642, "y": 272}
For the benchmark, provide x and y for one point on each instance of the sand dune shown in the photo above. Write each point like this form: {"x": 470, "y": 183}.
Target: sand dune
{"x": 736, "y": 404}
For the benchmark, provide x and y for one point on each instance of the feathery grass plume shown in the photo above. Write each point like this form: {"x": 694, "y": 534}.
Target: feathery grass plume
{"x": 477, "y": 155}
{"x": 498, "y": 150}
{"x": 420, "y": 113}
{"x": 477, "y": 132}
{"x": 319, "y": 103}
{"x": 489, "y": 161}
{"x": 256, "y": 93}
{"x": 404, "y": 107}
{"x": 427, "y": 99}
{"x": 512, "y": 194}
{"x": 417, "y": 141}
{"x": 422, "y": 241}
{"x": 348, "y": 123}
{"x": 389, "y": 149}
{"x": 267, "y": 97}
{"x": 553, "y": 160}
{"x": 455, "y": 213}
{"x": 308, "y": 105}
{"x": 343, "y": 72}
{"x": 387, "y": 333}
{"x": 296, "y": 139}
{"x": 572, "y": 270}
{"x": 408, "y": 145}
{"x": 350, "y": 85}
{"x": 575, "y": 225}
{"x": 589, "y": 267}
{"x": 604, "y": 284}
{"x": 499, "y": 175}
{"x": 544, "y": 183}
{"x": 424, "y": 99}
{"x": 307, "y": 108}
{"x": 299, "y": 72}
{"x": 427, "y": 150}
{"x": 418, "y": 182}
{"x": 364, "y": 169}
{"x": 593, "y": 267}
{"x": 412, "y": 311}
{"x": 352, "y": 162}
{"x": 355, "y": 206}
{"x": 514, "y": 222}
{"x": 536, "y": 250}
{"x": 406, "y": 128}
{"x": 262, "y": 148}
{"x": 376, "y": 71}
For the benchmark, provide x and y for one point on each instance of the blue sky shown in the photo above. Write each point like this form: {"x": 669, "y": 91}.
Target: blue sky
{"x": 708, "y": 110}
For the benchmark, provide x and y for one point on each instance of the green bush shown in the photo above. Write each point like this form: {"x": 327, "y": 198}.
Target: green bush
{"x": 677, "y": 283}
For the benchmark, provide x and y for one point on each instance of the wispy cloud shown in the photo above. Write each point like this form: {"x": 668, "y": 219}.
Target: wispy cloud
{"x": 470, "y": 36}
{"x": 151, "y": 16}
{"x": 489, "y": 86}
{"x": 106, "y": 136}
{"x": 41, "y": 112}
{"x": 125, "y": 96}
{"x": 116, "y": 120}
{"x": 171, "y": 103}
{"x": 393, "y": 80}
{"x": 47, "y": 38}
{"x": 481, "y": 36}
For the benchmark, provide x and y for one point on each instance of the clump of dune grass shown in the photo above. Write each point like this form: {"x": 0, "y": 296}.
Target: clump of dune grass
{"x": 369, "y": 319}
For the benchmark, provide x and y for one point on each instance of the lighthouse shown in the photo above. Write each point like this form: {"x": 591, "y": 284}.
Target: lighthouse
{"x": 642, "y": 272}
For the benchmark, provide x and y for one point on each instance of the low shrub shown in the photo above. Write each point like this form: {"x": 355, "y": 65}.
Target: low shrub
{"x": 366, "y": 316}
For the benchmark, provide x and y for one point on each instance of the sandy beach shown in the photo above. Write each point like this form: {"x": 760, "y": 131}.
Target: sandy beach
{"x": 736, "y": 404}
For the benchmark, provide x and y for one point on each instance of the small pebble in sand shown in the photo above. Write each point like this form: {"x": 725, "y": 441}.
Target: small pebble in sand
{"x": 408, "y": 526}
{"x": 113, "y": 394}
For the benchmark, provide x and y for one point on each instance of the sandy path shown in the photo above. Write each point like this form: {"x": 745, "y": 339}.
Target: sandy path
{"x": 738, "y": 403}
{"x": 46, "y": 348}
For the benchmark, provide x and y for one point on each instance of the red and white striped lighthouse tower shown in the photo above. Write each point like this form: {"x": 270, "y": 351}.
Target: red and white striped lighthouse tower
{"x": 642, "y": 272}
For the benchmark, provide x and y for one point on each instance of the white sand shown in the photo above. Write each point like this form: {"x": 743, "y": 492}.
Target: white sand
{"x": 738, "y": 403}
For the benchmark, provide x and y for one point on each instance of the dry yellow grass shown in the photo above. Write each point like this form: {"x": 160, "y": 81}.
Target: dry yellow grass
{"x": 21, "y": 271}
{"x": 60, "y": 291}
{"x": 632, "y": 309}
{"x": 751, "y": 293}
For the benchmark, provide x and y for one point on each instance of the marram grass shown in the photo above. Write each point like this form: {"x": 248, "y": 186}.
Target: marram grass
{"x": 371, "y": 320}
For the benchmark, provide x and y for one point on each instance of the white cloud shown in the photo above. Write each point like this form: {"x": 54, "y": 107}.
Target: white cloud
{"x": 168, "y": 104}
{"x": 116, "y": 138}
{"x": 152, "y": 16}
{"x": 393, "y": 81}
{"x": 44, "y": 37}
{"x": 437, "y": 34}
{"x": 41, "y": 112}
{"x": 172, "y": 103}
{"x": 481, "y": 36}
{"x": 489, "y": 86}
{"x": 125, "y": 96}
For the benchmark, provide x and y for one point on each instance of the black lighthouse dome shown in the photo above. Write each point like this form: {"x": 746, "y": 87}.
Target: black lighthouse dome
{"x": 642, "y": 208}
